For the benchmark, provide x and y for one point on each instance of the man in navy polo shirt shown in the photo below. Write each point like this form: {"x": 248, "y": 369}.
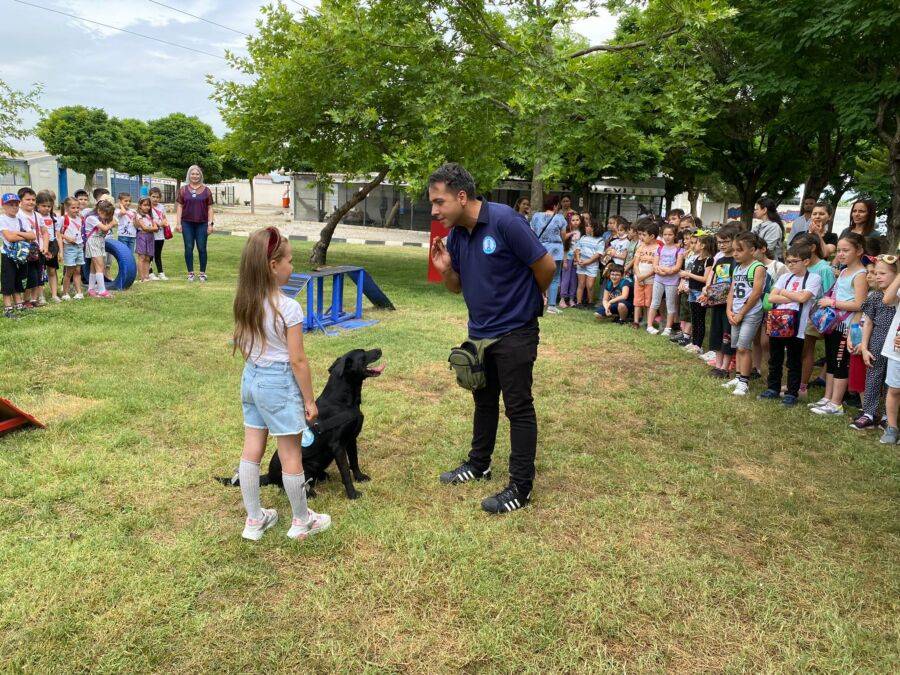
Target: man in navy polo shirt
{"x": 494, "y": 258}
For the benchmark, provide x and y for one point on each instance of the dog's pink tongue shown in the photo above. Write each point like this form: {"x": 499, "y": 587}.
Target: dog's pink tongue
{"x": 377, "y": 369}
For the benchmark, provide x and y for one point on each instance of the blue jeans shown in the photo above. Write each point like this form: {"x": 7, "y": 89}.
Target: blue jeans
{"x": 128, "y": 241}
{"x": 194, "y": 232}
{"x": 553, "y": 291}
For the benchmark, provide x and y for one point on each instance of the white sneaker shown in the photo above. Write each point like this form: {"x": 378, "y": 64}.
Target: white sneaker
{"x": 828, "y": 409}
{"x": 255, "y": 529}
{"x": 741, "y": 389}
{"x": 667, "y": 332}
{"x": 317, "y": 522}
{"x": 79, "y": 296}
{"x": 57, "y": 299}
{"x": 818, "y": 404}
{"x": 652, "y": 330}
{"x": 42, "y": 301}
{"x": 707, "y": 356}
{"x": 731, "y": 383}
{"x": 153, "y": 277}
{"x": 162, "y": 277}
{"x": 66, "y": 297}
{"x": 554, "y": 310}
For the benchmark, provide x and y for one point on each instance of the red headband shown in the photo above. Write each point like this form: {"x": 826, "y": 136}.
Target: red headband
{"x": 274, "y": 240}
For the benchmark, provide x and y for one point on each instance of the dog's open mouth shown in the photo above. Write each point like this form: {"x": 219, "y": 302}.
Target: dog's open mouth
{"x": 374, "y": 371}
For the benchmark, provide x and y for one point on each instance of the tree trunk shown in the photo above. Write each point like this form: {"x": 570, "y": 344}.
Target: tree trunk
{"x": 669, "y": 199}
{"x": 537, "y": 187}
{"x": 693, "y": 195}
{"x": 814, "y": 186}
{"x": 89, "y": 182}
{"x": 320, "y": 250}
{"x": 894, "y": 215}
{"x": 252, "y": 197}
{"x": 748, "y": 201}
{"x": 392, "y": 214}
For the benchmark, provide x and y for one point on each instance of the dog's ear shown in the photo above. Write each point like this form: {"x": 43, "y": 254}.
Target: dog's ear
{"x": 337, "y": 368}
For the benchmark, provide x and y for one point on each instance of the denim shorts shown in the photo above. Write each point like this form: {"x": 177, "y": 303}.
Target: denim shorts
{"x": 744, "y": 333}
{"x": 892, "y": 378}
{"x": 271, "y": 399}
{"x": 73, "y": 255}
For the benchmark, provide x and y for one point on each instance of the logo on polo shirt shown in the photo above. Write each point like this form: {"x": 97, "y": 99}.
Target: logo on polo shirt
{"x": 489, "y": 245}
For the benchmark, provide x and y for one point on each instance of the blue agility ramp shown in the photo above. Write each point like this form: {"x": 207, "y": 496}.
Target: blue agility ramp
{"x": 317, "y": 317}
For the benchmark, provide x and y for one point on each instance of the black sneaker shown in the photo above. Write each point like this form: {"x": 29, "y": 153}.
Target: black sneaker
{"x": 508, "y": 499}
{"x": 863, "y": 423}
{"x": 463, "y": 474}
{"x": 676, "y": 336}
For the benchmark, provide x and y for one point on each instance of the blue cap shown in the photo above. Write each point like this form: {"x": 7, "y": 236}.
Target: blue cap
{"x": 10, "y": 197}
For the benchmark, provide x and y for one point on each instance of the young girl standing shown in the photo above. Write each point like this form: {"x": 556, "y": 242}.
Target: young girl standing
{"x": 744, "y": 307}
{"x": 144, "y": 247}
{"x": 715, "y": 295}
{"x": 568, "y": 287}
{"x": 644, "y": 257}
{"x": 45, "y": 200}
{"x": 588, "y": 252}
{"x": 276, "y": 387}
{"x": 879, "y": 316}
{"x": 697, "y": 276}
{"x": 669, "y": 261}
{"x": 847, "y": 297}
{"x": 96, "y": 228}
{"x": 159, "y": 236}
{"x": 71, "y": 233}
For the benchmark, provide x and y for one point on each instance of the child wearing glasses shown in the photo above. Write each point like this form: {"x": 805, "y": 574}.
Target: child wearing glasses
{"x": 792, "y": 297}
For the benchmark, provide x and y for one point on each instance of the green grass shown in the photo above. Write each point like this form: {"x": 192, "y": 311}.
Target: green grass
{"x": 673, "y": 528}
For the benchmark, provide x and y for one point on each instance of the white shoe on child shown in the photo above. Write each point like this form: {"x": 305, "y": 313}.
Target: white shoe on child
{"x": 79, "y": 296}
{"x": 255, "y": 529}
{"x": 316, "y": 522}
{"x": 652, "y": 330}
{"x": 153, "y": 277}
{"x": 162, "y": 277}
{"x": 741, "y": 389}
{"x": 822, "y": 401}
{"x": 731, "y": 383}
{"x": 67, "y": 297}
{"x": 667, "y": 332}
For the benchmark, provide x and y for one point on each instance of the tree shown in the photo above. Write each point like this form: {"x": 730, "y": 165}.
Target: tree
{"x": 392, "y": 100}
{"x": 242, "y": 157}
{"x": 12, "y": 104}
{"x": 83, "y": 139}
{"x": 178, "y": 141}
{"x": 136, "y": 155}
{"x": 845, "y": 51}
{"x": 556, "y": 102}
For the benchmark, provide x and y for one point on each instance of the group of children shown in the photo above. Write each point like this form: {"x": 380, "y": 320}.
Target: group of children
{"x": 35, "y": 237}
{"x": 756, "y": 307}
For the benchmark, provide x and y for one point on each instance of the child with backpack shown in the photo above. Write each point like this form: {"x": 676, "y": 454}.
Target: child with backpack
{"x": 50, "y": 227}
{"x": 144, "y": 246}
{"x": 715, "y": 296}
{"x": 159, "y": 236}
{"x": 668, "y": 263}
{"x": 744, "y": 307}
{"x": 697, "y": 276}
{"x": 792, "y": 299}
{"x": 127, "y": 231}
{"x": 97, "y": 226}
{"x": 71, "y": 232}
{"x": 276, "y": 387}
{"x": 16, "y": 239}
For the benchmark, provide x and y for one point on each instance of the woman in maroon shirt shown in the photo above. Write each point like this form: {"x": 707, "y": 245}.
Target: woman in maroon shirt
{"x": 194, "y": 218}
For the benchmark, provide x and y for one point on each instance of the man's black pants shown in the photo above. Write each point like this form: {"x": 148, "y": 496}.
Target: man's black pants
{"x": 508, "y": 365}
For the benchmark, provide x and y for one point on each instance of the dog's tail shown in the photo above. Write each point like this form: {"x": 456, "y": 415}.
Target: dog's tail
{"x": 235, "y": 480}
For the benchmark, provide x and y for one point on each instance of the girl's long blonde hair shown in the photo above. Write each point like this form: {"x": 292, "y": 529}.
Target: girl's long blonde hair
{"x": 257, "y": 287}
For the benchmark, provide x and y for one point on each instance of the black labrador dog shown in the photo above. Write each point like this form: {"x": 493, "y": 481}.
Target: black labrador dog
{"x": 338, "y": 426}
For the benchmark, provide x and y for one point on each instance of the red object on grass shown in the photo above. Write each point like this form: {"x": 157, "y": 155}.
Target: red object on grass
{"x": 857, "y": 379}
{"x": 13, "y": 418}
{"x": 437, "y": 230}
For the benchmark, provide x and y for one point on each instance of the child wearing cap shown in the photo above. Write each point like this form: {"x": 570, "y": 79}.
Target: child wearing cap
{"x": 13, "y": 272}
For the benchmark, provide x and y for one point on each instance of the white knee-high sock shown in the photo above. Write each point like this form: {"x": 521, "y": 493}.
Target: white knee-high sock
{"x": 296, "y": 492}
{"x": 248, "y": 472}
{"x": 90, "y": 282}
{"x": 101, "y": 286}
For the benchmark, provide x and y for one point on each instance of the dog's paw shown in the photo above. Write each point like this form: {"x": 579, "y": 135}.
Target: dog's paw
{"x": 361, "y": 478}
{"x": 310, "y": 492}
{"x": 356, "y": 494}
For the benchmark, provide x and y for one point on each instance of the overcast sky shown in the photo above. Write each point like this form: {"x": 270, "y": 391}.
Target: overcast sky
{"x": 129, "y": 76}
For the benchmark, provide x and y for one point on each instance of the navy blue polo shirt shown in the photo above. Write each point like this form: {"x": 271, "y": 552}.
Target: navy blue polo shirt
{"x": 494, "y": 266}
